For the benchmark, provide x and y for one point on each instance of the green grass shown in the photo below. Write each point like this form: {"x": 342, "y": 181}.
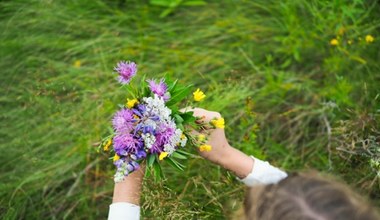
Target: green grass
{"x": 288, "y": 96}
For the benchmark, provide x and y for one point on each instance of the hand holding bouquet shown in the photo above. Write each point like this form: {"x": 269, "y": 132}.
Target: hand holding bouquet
{"x": 149, "y": 126}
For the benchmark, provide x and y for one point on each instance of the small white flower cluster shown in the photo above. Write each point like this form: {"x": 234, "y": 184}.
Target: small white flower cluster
{"x": 120, "y": 173}
{"x": 149, "y": 140}
{"x": 156, "y": 106}
{"x": 174, "y": 141}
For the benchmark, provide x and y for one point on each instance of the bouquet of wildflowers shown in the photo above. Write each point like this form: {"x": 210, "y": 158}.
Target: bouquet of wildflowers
{"x": 150, "y": 127}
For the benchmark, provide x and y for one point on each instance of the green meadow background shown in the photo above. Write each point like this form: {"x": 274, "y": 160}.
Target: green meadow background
{"x": 298, "y": 82}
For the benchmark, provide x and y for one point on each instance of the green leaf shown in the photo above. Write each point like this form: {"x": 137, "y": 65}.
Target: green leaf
{"x": 175, "y": 164}
{"x": 151, "y": 159}
{"x": 158, "y": 175}
{"x": 187, "y": 154}
{"x": 194, "y": 3}
{"x": 188, "y": 117}
{"x": 178, "y": 119}
{"x": 172, "y": 85}
{"x": 148, "y": 171}
{"x": 179, "y": 156}
{"x": 179, "y": 95}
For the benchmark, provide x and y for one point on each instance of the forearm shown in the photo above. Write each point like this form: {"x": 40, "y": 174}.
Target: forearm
{"x": 236, "y": 161}
{"x": 130, "y": 189}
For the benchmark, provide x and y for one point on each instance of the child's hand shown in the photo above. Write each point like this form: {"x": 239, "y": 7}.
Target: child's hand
{"x": 216, "y": 138}
{"x": 221, "y": 152}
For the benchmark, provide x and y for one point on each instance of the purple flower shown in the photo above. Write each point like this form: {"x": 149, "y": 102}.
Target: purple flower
{"x": 126, "y": 144}
{"x": 123, "y": 120}
{"x": 160, "y": 89}
{"x": 140, "y": 154}
{"x": 132, "y": 166}
{"x": 166, "y": 131}
{"x": 127, "y": 70}
{"x": 118, "y": 163}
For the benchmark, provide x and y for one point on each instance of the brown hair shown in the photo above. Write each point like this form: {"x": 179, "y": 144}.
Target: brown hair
{"x": 306, "y": 196}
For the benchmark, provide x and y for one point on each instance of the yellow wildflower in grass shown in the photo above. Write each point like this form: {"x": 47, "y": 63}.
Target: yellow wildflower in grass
{"x": 198, "y": 95}
{"x": 205, "y": 148}
{"x": 334, "y": 42}
{"x": 201, "y": 137}
{"x": 131, "y": 103}
{"x": 107, "y": 145}
{"x": 369, "y": 38}
{"x": 162, "y": 155}
{"x": 77, "y": 63}
{"x": 116, "y": 157}
{"x": 218, "y": 123}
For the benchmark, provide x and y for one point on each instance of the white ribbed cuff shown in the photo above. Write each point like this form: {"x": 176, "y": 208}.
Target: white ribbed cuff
{"x": 263, "y": 173}
{"x": 123, "y": 211}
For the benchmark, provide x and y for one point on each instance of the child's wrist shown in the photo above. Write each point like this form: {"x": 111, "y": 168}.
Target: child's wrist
{"x": 237, "y": 162}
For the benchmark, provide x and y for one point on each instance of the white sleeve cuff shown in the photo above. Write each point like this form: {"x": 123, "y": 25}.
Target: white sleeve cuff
{"x": 123, "y": 211}
{"x": 263, "y": 173}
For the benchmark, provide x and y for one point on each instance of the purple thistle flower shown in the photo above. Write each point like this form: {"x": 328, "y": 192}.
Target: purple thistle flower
{"x": 123, "y": 120}
{"x": 126, "y": 144}
{"x": 166, "y": 131}
{"x": 127, "y": 70}
{"x": 160, "y": 89}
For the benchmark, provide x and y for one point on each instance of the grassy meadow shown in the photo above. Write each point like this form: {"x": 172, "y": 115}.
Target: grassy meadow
{"x": 296, "y": 80}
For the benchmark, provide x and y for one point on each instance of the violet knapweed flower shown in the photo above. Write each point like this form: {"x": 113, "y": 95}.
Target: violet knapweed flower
{"x": 166, "y": 131}
{"x": 127, "y": 70}
{"x": 123, "y": 120}
{"x": 160, "y": 89}
{"x": 125, "y": 144}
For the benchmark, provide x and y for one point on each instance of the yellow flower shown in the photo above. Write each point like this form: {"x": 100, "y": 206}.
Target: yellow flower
{"x": 162, "y": 155}
{"x": 183, "y": 136}
{"x": 198, "y": 95}
{"x": 77, "y": 63}
{"x": 369, "y": 38}
{"x": 205, "y": 147}
{"x": 116, "y": 157}
{"x": 334, "y": 42}
{"x": 218, "y": 123}
{"x": 131, "y": 103}
{"x": 107, "y": 145}
{"x": 201, "y": 137}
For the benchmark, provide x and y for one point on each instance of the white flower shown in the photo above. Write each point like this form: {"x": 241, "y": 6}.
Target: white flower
{"x": 149, "y": 140}
{"x": 119, "y": 176}
{"x": 183, "y": 141}
{"x": 156, "y": 107}
{"x": 173, "y": 142}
